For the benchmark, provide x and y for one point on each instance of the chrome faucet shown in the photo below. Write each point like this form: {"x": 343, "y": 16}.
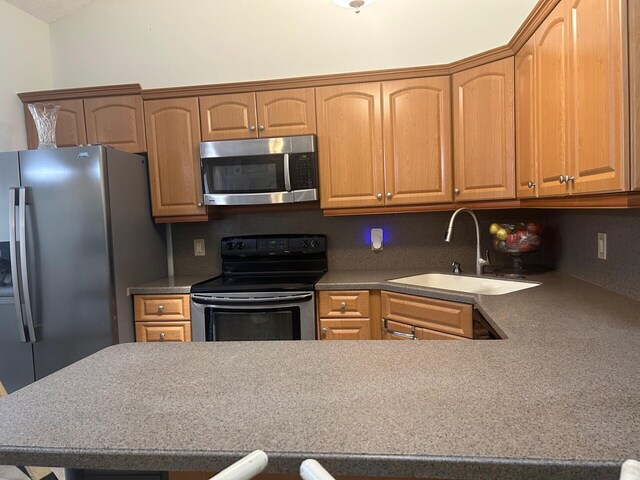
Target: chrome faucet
{"x": 480, "y": 261}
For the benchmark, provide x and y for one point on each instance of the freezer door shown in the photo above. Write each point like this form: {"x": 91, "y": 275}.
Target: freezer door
{"x": 67, "y": 251}
{"x": 16, "y": 355}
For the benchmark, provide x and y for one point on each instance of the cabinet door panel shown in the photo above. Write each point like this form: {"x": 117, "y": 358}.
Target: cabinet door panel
{"x": 525, "y": 121}
{"x": 70, "y": 125}
{"x": 286, "y": 112}
{"x": 228, "y": 117}
{"x": 350, "y": 145}
{"x": 116, "y": 121}
{"x": 484, "y": 136}
{"x": 596, "y": 69}
{"x": 417, "y": 138}
{"x": 634, "y": 80}
{"x": 551, "y": 94}
{"x": 173, "y": 138}
{"x": 345, "y": 329}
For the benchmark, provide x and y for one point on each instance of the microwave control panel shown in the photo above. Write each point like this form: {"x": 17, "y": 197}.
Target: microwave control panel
{"x": 303, "y": 173}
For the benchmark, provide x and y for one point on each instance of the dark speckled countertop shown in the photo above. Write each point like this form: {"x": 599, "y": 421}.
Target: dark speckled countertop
{"x": 559, "y": 398}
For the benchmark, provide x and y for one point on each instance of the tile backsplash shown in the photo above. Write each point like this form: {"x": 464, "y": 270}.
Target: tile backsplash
{"x": 412, "y": 240}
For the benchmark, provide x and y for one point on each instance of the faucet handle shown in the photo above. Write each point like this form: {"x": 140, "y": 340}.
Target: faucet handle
{"x": 456, "y": 267}
{"x": 486, "y": 260}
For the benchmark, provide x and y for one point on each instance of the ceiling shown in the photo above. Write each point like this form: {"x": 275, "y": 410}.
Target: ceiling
{"x": 49, "y": 10}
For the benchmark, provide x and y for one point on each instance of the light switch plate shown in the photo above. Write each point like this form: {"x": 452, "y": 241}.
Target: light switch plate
{"x": 602, "y": 246}
{"x": 198, "y": 247}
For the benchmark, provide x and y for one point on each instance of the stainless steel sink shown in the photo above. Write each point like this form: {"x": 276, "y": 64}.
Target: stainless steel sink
{"x": 460, "y": 283}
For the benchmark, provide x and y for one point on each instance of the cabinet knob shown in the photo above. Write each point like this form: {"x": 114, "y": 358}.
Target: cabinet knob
{"x": 389, "y": 195}
{"x": 379, "y": 196}
{"x": 261, "y": 127}
{"x": 252, "y": 127}
{"x": 562, "y": 179}
{"x": 343, "y": 305}
{"x": 162, "y": 336}
{"x": 570, "y": 179}
{"x": 199, "y": 204}
{"x": 531, "y": 184}
{"x": 456, "y": 191}
{"x": 323, "y": 332}
{"x": 160, "y": 308}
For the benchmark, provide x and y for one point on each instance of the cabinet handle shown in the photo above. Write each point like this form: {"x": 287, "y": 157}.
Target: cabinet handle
{"x": 343, "y": 305}
{"x": 323, "y": 332}
{"x": 395, "y": 333}
{"x": 570, "y": 179}
{"x": 161, "y": 308}
{"x": 379, "y": 196}
{"x": 162, "y": 336}
{"x": 562, "y": 179}
{"x": 456, "y": 191}
{"x": 199, "y": 204}
{"x": 261, "y": 127}
{"x": 252, "y": 127}
{"x": 389, "y": 195}
{"x": 531, "y": 184}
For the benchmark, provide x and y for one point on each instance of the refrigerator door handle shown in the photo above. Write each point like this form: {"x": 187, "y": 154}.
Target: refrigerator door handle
{"x": 17, "y": 294}
{"x": 26, "y": 291}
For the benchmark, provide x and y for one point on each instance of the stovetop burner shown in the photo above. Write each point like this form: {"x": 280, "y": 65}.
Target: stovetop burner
{"x": 268, "y": 263}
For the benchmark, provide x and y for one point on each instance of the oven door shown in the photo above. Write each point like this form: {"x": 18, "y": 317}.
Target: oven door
{"x": 253, "y": 316}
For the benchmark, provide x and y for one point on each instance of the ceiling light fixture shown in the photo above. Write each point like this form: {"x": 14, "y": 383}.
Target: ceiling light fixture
{"x": 356, "y": 5}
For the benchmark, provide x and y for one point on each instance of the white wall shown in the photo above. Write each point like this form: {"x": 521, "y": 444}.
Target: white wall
{"x": 176, "y": 42}
{"x": 25, "y": 65}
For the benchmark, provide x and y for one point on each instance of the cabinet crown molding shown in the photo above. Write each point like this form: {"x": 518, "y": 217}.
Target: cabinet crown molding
{"x": 82, "y": 92}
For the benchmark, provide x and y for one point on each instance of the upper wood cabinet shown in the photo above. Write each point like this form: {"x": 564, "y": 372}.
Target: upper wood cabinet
{"x": 525, "y": 121}
{"x": 417, "y": 141}
{"x": 483, "y": 131}
{"x": 70, "y": 124}
{"x": 579, "y": 115}
{"x": 634, "y": 80}
{"x": 385, "y": 144}
{"x": 116, "y": 121}
{"x": 350, "y": 145}
{"x": 550, "y": 89}
{"x": 173, "y": 140}
{"x": 597, "y": 41}
{"x": 263, "y": 114}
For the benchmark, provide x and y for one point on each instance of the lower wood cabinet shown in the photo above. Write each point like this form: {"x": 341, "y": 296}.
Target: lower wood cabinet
{"x": 344, "y": 315}
{"x": 373, "y": 315}
{"x": 345, "y": 329}
{"x": 162, "y": 318}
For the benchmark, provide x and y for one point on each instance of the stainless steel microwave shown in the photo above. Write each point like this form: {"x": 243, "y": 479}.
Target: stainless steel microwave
{"x": 259, "y": 171}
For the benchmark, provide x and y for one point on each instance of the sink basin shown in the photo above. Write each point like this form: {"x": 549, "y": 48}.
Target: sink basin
{"x": 459, "y": 283}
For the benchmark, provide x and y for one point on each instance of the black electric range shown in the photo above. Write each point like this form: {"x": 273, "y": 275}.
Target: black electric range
{"x": 268, "y": 263}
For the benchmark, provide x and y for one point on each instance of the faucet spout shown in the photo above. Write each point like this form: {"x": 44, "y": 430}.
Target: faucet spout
{"x": 480, "y": 260}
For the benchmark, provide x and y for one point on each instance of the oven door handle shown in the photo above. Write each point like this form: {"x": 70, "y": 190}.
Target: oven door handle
{"x": 249, "y": 301}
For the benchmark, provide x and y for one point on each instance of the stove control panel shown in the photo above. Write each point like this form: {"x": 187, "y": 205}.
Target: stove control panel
{"x": 273, "y": 245}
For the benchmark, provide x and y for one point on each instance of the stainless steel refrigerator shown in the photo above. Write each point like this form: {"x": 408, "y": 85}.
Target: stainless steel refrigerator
{"x": 75, "y": 231}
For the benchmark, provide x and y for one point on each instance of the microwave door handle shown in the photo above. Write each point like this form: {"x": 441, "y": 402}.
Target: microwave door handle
{"x": 22, "y": 211}
{"x": 17, "y": 294}
{"x": 287, "y": 173}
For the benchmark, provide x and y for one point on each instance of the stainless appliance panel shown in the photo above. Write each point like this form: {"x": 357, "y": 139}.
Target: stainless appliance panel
{"x": 16, "y": 355}
{"x": 253, "y": 302}
{"x": 139, "y": 246}
{"x": 259, "y": 146}
{"x": 68, "y": 261}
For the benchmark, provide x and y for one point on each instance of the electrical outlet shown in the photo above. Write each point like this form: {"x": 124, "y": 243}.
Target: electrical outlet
{"x": 602, "y": 246}
{"x": 198, "y": 247}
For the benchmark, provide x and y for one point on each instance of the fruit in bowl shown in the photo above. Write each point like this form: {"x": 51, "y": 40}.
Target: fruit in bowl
{"x": 517, "y": 238}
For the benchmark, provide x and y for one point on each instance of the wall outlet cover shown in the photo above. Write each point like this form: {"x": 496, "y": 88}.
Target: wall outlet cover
{"x": 602, "y": 246}
{"x": 198, "y": 247}
{"x": 376, "y": 239}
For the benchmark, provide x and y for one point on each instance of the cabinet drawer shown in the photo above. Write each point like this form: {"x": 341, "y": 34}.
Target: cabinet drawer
{"x": 163, "y": 332}
{"x": 344, "y": 304}
{"x": 161, "y": 307}
{"x": 345, "y": 329}
{"x": 440, "y": 315}
{"x": 404, "y": 331}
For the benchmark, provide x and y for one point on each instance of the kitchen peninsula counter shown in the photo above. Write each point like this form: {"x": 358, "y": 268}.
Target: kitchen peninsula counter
{"x": 558, "y": 398}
